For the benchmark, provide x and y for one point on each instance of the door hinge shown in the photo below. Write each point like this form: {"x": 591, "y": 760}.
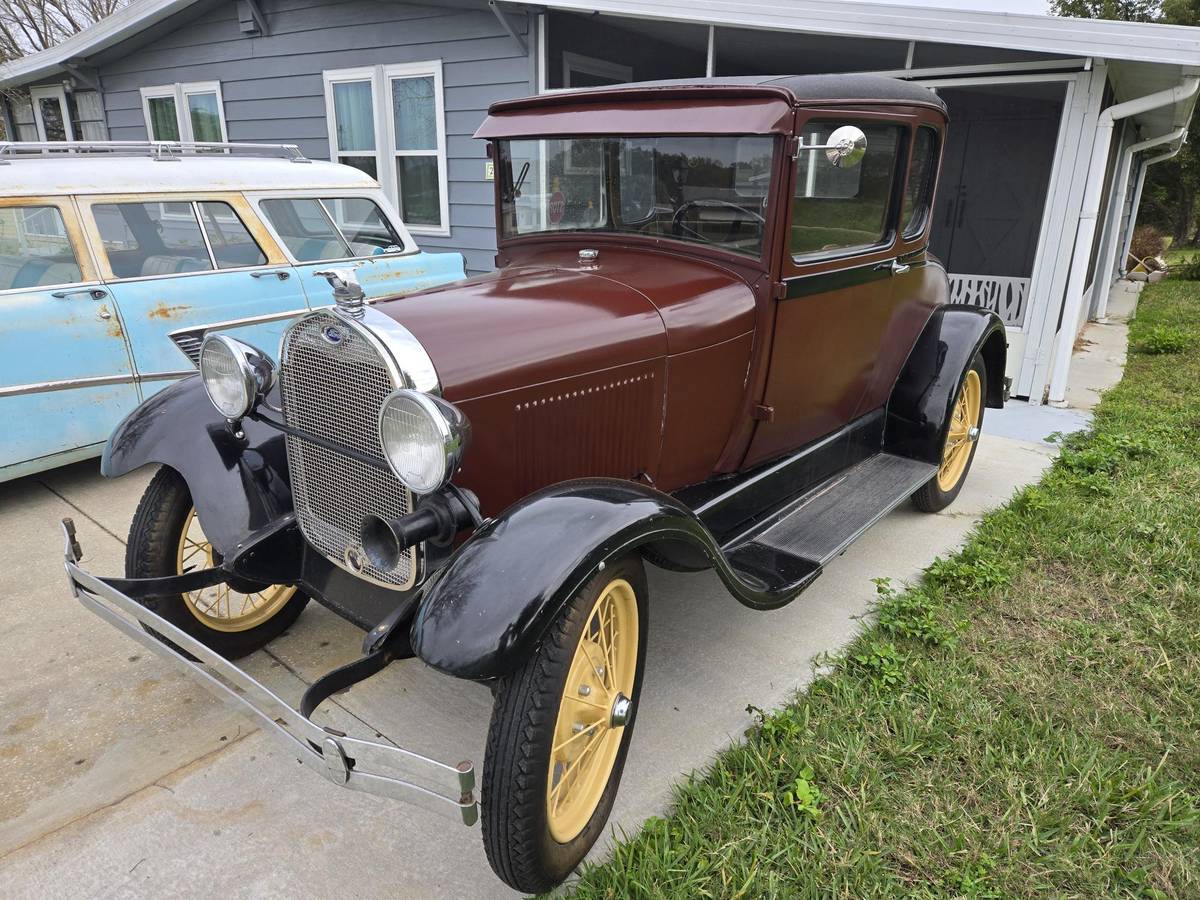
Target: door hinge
{"x": 793, "y": 148}
{"x": 778, "y": 291}
{"x": 762, "y": 413}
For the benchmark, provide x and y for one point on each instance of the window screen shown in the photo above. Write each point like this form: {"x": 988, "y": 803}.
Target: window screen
{"x": 918, "y": 192}
{"x": 34, "y": 249}
{"x": 149, "y": 239}
{"x": 836, "y": 209}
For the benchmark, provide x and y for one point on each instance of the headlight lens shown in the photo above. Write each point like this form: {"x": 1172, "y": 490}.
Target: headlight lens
{"x": 423, "y": 438}
{"x": 235, "y": 374}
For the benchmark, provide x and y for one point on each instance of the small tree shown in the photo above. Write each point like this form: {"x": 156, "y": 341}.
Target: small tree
{"x": 27, "y": 26}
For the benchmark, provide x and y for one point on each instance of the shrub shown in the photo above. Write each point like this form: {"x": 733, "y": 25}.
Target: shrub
{"x": 1163, "y": 339}
{"x": 1147, "y": 241}
{"x": 1188, "y": 269}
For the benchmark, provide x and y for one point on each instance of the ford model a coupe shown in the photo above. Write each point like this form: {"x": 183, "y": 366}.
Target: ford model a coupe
{"x": 715, "y": 338}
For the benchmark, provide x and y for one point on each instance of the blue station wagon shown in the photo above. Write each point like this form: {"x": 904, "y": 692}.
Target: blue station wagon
{"x": 116, "y": 260}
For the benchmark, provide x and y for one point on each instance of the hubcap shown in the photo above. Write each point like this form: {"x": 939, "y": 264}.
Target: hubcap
{"x": 220, "y": 607}
{"x": 594, "y": 708}
{"x": 964, "y": 431}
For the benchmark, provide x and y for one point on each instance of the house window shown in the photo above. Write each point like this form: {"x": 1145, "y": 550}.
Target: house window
{"x": 389, "y": 121}
{"x": 51, "y": 114}
{"x": 587, "y": 71}
{"x": 185, "y": 112}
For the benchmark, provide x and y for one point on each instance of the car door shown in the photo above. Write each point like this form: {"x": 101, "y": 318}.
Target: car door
{"x": 181, "y": 266}
{"x": 65, "y": 373}
{"x": 323, "y": 230}
{"x": 836, "y": 307}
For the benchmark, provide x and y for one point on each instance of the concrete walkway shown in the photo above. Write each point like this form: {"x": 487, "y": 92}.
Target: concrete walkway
{"x": 121, "y": 778}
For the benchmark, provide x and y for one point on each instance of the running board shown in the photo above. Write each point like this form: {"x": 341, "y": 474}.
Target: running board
{"x": 792, "y": 545}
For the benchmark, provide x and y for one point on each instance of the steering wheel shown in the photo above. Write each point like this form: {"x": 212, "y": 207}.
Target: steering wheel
{"x": 681, "y": 228}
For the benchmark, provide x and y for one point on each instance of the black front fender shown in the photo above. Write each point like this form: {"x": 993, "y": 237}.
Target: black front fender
{"x": 238, "y": 484}
{"x": 487, "y": 609}
{"x": 918, "y": 412}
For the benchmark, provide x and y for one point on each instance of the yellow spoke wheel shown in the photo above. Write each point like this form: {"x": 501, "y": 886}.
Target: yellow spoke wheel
{"x": 964, "y": 428}
{"x": 593, "y": 711}
{"x": 220, "y": 607}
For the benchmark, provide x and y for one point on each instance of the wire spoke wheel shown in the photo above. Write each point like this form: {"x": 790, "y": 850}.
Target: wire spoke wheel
{"x": 587, "y": 733}
{"x": 964, "y": 427}
{"x": 220, "y": 607}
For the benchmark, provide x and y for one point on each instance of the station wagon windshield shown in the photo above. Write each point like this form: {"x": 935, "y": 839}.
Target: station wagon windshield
{"x": 707, "y": 190}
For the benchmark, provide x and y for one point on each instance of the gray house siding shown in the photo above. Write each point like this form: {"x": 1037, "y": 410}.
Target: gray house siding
{"x": 273, "y": 90}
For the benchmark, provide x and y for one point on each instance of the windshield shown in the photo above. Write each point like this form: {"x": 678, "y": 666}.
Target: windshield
{"x": 706, "y": 190}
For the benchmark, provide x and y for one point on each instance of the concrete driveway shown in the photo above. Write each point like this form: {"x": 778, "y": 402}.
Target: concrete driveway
{"x": 120, "y": 777}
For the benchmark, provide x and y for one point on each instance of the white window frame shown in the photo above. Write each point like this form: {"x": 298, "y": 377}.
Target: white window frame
{"x": 385, "y": 152}
{"x": 590, "y": 65}
{"x": 180, "y": 91}
{"x": 55, "y": 92}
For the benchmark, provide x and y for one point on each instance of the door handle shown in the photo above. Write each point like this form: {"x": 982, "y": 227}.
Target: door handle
{"x": 894, "y": 266}
{"x": 94, "y": 292}
{"x": 281, "y": 274}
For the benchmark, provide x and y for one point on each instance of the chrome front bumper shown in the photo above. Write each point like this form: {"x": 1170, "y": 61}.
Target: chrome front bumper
{"x": 360, "y": 765}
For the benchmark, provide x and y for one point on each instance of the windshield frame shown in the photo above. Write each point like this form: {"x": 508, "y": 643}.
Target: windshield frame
{"x": 777, "y": 169}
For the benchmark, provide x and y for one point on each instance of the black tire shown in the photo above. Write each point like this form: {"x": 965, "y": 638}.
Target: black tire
{"x": 930, "y": 497}
{"x": 152, "y": 552}
{"x": 516, "y": 832}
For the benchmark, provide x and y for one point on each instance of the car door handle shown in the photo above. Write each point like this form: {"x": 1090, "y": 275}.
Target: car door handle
{"x": 895, "y": 266}
{"x": 281, "y": 274}
{"x": 94, "y": 292}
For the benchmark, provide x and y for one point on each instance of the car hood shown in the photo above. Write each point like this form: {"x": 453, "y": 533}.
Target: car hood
{"x": 551, "y": 318}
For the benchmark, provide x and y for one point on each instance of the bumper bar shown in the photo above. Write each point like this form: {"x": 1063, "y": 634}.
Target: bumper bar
{"x": 360, "y": 765}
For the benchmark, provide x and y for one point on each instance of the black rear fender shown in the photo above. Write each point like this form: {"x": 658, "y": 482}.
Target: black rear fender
{"x": 918, "y": 412}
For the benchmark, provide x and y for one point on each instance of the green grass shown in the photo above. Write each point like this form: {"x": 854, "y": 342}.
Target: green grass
{"x": 1024, "y": 722}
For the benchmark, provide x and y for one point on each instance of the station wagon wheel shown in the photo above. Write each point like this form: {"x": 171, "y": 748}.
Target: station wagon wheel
{"x": 962, "y": 438}
{"x": 166, "y": 538}
{"x": 560, "y": 729}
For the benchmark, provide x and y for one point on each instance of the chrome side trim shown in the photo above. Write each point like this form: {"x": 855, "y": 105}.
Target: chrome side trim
{"x": 42, "y": 387}
{"x": 361, "y": 765}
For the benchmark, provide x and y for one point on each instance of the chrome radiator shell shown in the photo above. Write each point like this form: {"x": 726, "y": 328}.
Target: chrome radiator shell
{"x": 335, "y": 372}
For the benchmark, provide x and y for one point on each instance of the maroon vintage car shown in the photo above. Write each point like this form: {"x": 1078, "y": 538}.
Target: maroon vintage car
{"x": 715, "y": 338}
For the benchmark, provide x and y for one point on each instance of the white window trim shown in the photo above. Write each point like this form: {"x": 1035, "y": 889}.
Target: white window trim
{"x": 385, "y": 152}
{"x": 180, "y": 92}
{"x": 590, "y": 65}
{"x": 56, "y": 92}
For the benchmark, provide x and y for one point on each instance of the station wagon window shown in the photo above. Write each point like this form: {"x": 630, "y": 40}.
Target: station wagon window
{"x": 331, "y": 227}
{"x": 840, "y": 209}
{"x": 700, "y": 189}
{"x": 34, "y": 249}
{"x": 148, "y": 239}
{"x": 230, "y": 240}
{"x": 919, "y": 188}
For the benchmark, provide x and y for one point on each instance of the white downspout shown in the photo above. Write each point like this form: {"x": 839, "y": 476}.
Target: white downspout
{"x": 1105, "y": 264}
{"x": 1085, "y": 234}
{"x": 1137, "y": 200}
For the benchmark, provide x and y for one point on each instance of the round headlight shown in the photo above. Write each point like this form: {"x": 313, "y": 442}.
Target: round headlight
{"x": 423, "y": 438}
{"x": 235, "y": 374}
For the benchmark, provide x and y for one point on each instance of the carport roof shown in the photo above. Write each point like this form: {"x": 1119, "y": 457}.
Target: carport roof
{"x": 1134, "y": 41}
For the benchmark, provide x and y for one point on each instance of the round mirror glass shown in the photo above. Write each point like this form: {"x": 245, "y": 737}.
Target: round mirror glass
{"x": 846, "y": 146}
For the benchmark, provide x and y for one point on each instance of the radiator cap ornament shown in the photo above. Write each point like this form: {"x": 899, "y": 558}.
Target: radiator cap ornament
{"x": 348, "y": 294}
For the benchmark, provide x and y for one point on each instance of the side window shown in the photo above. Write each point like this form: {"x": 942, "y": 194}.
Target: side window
{"x": 364, "y": 226}
{"x": 146, "y": 239}
{"x": 838, "y": 209}
{"x": 34, "y": 249}
{"x": 303, "y": 225}
{"x": 231, "y": 243}
{"x": 918, "y": 193}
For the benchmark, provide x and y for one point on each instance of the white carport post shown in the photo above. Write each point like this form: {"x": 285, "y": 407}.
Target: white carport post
{"x": 1105, "y": 264}
{"x": 1137, "y": 199}
{"x": 1085, "y": 235}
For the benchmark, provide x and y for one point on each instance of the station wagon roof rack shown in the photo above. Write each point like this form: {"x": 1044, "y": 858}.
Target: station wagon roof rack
{"x": 159, "y": 150}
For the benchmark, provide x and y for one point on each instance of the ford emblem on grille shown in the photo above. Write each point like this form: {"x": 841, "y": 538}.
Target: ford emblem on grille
{"x": 333, "y": 335}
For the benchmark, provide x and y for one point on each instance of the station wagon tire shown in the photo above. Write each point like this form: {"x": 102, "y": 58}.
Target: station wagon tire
{"x": 540, "y": 815}
{"x": 163, "y": 533}
{"x": 958, "y": 452}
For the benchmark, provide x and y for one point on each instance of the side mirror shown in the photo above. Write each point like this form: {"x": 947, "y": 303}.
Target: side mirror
{"x": 847, "y": 146}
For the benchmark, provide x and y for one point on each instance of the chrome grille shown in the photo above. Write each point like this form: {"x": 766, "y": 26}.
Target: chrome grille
{"x": 334, "y": 391}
